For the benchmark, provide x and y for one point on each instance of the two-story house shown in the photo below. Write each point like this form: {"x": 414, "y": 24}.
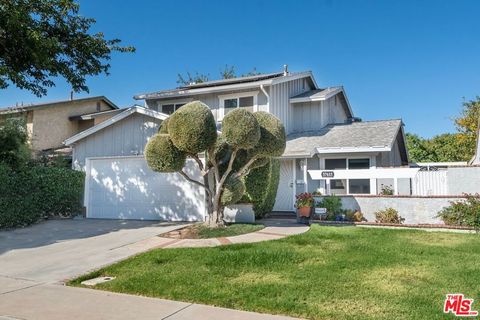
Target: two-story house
{"x": 323, "y": 134}
{"x": 49, "y": 124}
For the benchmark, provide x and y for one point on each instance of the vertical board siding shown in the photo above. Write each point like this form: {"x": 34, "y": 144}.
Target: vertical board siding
{"x": 279, "y": 101}
{"x": 120, "y": 139}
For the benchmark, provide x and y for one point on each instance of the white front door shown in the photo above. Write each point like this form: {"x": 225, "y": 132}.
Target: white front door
{"x": 285, "y": 194}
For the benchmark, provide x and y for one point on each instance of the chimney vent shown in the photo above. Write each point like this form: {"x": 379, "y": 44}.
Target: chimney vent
{"x": 71, "y": 95}
{"x": 285, "y": 69}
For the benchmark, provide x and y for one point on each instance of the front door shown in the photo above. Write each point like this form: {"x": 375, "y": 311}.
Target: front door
{"x": 285, "y": 193}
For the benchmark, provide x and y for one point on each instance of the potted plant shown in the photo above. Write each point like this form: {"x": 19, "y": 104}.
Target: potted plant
{"x": 304, "y": 203}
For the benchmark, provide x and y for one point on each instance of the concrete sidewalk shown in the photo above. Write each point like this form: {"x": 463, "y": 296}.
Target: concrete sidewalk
{"x": 29, "y": 300}
{"x": 274, "y": 229}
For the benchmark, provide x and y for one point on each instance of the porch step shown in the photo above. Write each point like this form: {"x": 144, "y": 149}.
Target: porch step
{"x": 282, "y": 215}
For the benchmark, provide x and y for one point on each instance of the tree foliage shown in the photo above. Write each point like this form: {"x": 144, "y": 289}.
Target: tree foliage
{"x": 228, "y": 72}
{"x": 14, "y": 150}
{"x": 458, "y": 146}
{"x": 44, "y": 39}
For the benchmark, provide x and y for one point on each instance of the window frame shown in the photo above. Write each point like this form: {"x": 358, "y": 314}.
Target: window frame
{"x": 371, "y": 164}
{"x": 223, "y": 97}
{"x": 160, "y": 104}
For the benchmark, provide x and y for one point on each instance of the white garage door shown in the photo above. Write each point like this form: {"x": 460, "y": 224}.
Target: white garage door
{"x": 125, "y": 188}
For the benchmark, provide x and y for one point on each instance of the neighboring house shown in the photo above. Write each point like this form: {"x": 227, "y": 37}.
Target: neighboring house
{"x": 323, "y": 134}
{"x": 49, "y": 124}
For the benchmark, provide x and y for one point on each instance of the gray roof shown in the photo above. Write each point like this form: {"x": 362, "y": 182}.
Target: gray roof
{"x": 217, "y": 84}
{"x": 214, "y": 83}
{"x": 370, "y": 135}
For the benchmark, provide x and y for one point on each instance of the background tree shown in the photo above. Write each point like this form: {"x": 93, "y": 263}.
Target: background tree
{"x": 228, "y": 72}
{"x": 248, "y": 141}
{"x": 467, "y": 125}
{"x": 14, "y": 150}
{"x": 458, "y": 146}
{"x": 43, "y": 39}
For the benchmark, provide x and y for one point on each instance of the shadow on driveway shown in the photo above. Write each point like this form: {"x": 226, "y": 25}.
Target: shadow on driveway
{"x": 55, "y": 231}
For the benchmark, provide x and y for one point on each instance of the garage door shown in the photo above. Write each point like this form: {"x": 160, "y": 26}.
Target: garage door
{"x": 125, "y": 188}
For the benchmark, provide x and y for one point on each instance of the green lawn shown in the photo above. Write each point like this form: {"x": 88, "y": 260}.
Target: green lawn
{"x": 204, "y": 232}
{"x": 326, "y": 273}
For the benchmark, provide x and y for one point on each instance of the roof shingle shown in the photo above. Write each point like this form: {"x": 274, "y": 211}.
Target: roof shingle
{"x": 368, "y": 134}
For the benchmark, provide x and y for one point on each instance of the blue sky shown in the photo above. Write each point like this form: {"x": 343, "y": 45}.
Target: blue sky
{"x": 415, "y": 60}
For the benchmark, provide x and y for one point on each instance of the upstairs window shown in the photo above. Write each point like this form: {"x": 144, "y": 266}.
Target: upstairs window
{"x": 246, "y": 100}
{"x": 170, "y": 107}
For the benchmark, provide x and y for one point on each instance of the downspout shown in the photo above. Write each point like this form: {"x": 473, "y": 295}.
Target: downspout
{"x": 266, "y": 94}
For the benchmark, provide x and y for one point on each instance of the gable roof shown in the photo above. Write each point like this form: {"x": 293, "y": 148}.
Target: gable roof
{"x": 368, "y": 136}
{"x": 128, "y": 112}
{"x": 322, "y": 95}
{"x": 228, "y": 84}
{"x": 23, "y": 108}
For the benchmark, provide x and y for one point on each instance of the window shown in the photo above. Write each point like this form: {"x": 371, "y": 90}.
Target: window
{"x": 358, "y": 163}
{"x": 171, "y": 107}
{"x": 359, "y": 186}
{"x": 335, "y": 164}
{"x": 246, "y": 100}
{"x": 350, "y": 186}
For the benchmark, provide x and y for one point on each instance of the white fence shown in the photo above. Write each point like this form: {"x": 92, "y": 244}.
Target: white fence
{"x": 428, "y": 183}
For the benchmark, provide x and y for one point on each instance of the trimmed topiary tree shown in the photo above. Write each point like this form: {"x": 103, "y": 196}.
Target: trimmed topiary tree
{"x": 248, "y": 140}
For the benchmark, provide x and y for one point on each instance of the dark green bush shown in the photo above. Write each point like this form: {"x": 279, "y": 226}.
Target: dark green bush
{"x": 261, "y": 186}
{"x": 241, "y": 129}
{"x": 37, "y": 192}
{"x": 388, "y": 215}
{"x": 192, "y": 128}
{"x": 162, "y": 156}
{"x": 272, "y": 141}
{"x": 463, "y": 213}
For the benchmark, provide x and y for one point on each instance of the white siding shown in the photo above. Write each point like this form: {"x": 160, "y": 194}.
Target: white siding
{"x": 315, "y": 115}
{"x": 123, "y": 138}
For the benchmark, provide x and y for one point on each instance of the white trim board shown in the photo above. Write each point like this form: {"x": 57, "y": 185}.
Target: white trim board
{"x": 373, "y": 173}
{"x": 115, "y": 119}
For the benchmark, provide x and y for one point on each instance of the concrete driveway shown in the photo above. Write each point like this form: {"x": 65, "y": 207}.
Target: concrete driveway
{"x": 58, "y": 250}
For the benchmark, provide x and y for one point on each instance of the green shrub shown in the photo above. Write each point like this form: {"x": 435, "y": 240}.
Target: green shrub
{"x": 192, "y": 128}
{"x": 233, "y": 191}
{"x": 37, "y": 192}
{"x": 388, "y": 215}
{"x": 463, "y": 213}
{"x": 241, "y": 129}
{"x": 272, "y": 141}
{"x": 333, "y": 204}
{"x": 261, "y": 186}
{"x": 162, "y": 156}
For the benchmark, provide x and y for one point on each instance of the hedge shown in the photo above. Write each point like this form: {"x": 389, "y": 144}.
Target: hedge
{"x": 261, "y": 186}
{"x": 38, "y": 192}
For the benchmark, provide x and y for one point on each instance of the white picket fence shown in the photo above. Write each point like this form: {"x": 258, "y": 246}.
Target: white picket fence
{"x": 430, "y": 183}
